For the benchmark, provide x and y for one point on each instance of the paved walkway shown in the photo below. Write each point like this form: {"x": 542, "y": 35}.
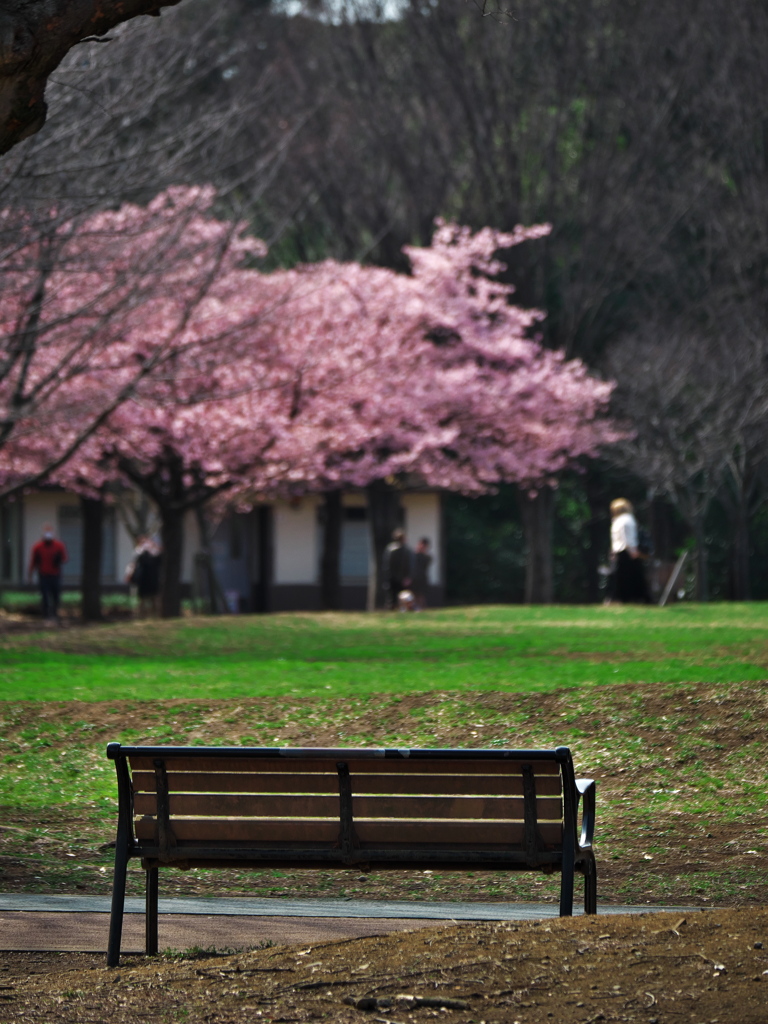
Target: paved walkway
{"x": 32, "y": 922}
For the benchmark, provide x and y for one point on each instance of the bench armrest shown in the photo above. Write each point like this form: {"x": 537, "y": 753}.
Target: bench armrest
{"x": 586, "y": 793}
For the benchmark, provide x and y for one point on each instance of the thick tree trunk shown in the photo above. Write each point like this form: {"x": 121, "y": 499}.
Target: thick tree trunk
{"x": 92, "y": 512}
{"x": 262, "y": 589}
{"x": 35, "y": 35}
{"x": 598, "y": 532}
{"x": 384, "y": 515}
{"x": 742, "y": 590}
{"x": 662, "y": 530}
{"x": 702, "y": 568}
{"x": 217, "y": 602}
{"x": 174, "y": 489}
{"x": 172, "y": 535}
{"x": 330, "y": 578}
{"x": 537, "y": 515}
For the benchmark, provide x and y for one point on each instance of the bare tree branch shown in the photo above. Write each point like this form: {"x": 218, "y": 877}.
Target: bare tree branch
{"x": 35, "y": 36}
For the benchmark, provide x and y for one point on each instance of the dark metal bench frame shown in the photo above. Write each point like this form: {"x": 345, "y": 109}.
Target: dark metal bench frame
{"x": 573, "y": 854}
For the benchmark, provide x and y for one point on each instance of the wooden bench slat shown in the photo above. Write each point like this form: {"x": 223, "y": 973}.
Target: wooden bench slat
{"x": 476, "y": 834}
{"x": 460, "y": 857}
{"x": 392, "y": 832}
{"x": 242, "y": 805}
{"x": 238, "y": 782}
{"x": 311, "y": 806}
{"x": 367, "y": 766}
{"x": 270, "y": 782}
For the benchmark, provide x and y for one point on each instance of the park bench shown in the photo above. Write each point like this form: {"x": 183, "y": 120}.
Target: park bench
{"x": 237, "y": 807}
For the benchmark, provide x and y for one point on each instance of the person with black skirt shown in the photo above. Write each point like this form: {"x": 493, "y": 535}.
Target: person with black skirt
{"x": 629, "y": 583}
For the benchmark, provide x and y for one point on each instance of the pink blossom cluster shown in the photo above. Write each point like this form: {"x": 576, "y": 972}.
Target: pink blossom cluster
{"x": 142, "y": 341}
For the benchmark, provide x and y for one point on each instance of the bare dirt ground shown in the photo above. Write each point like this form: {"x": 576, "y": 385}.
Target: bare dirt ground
{"x": 704, "y": 968}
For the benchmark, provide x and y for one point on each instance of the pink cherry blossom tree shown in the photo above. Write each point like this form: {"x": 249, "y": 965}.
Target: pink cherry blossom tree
{"x": 170, "y": 364}
{"x": 344, "y": 375}
{"x": 257, "y": 397}
{"x": 556, "y": 411}
{"x": 202, "y": 422}
{"x": 91, "y": 307}
{"x": 449, "y": 389}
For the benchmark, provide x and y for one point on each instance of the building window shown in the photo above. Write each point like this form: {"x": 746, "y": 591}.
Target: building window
{"x": 354, "y": 554}
{"x": 354, "y": 544}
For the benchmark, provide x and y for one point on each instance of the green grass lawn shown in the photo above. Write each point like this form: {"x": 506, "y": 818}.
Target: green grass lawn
{"x": 666, "y": 708}
{"x": 515, "y": 649}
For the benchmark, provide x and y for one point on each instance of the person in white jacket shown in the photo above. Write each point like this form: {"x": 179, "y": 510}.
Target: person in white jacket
{"x": 628, "y": 571}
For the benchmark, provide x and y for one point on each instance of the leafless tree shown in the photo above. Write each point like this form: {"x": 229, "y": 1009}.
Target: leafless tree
{"x": 698, "y": 408}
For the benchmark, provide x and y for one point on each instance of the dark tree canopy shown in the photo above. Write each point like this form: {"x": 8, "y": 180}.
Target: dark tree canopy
{"x": 35, "y": 35}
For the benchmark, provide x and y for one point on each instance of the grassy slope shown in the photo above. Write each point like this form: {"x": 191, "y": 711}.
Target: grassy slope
{"x": 502, "y": 649}
{"x": 679, "y": 758}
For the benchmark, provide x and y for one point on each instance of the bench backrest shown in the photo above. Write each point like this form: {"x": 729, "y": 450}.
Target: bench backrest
{"x": 349, "y": 806}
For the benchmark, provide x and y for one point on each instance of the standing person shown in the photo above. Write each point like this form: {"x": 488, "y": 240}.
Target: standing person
{"x": 628, "y": 572}
{"x": 397, "y": 567}
{"x": 47, "y": 558}
{"x": 421, "y": 563}
{"x": 144, "y": 574}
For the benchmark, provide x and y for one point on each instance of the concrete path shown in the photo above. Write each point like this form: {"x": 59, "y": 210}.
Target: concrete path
{"x": 81, "y": 923}
{"x": 87, "y": 933}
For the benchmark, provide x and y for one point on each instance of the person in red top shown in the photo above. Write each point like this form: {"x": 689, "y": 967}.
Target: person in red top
{"x": 47, "y": 558}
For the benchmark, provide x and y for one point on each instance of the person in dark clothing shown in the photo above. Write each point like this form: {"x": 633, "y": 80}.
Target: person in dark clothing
{"x": 421, "y": 563}
{"x": 397, "y": 567}
{"x": 629, "y": 582}
{"x": 144, "y": 574}
{"x": 47, "y": 558}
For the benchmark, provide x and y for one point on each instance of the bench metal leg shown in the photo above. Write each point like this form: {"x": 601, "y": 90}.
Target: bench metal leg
{"x": 590, "y": 884}
{"x": 566, "y": 884}
{"x": 150, "y": 912}
{"x": 118, "y": 904}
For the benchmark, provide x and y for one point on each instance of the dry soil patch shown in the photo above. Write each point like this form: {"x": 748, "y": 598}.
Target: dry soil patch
{"x": 656, "y": 968}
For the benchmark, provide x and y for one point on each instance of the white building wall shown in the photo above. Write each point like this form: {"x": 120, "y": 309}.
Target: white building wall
{"x": 296, "y": 537}
{"x": 43, "y": 507}
{"x": 191, "y": 547}
{"x": 422, "y": 519}
{"x": 295, "y": 541}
